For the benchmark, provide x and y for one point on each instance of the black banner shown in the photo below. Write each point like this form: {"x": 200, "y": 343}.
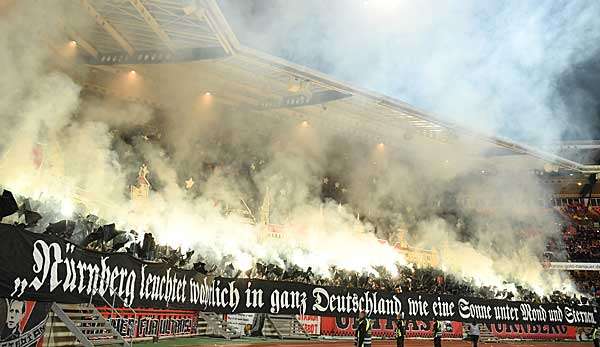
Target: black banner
{"x": 45, "y": 268}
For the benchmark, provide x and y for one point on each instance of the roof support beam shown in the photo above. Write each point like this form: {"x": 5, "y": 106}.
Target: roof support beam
{"x": 151, "y": 21}
{"x": 207, "y": 11}
{"x": 221, "y": 23}
{"x": 109, "y": 28}
{"x": 574, "y": 145}
{"x": 204, "y": 16}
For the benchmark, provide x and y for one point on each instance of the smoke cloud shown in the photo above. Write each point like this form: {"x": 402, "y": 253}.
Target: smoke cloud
{"x": 334, "y": 196}
{"x": 492, "y": 67}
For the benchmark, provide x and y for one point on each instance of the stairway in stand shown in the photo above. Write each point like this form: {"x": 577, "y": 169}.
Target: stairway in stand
{"x": 82, "y": 323}
{"x": 485, "y": 335}
{"x": 284, "y": 327}
{"x": 211, "y": 324}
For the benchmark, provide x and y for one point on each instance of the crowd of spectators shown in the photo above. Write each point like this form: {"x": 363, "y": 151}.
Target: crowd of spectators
{"x": 90, "y": 232}
{"x": 426, "y": 280}
{"x": 579, "y": 213}
{"x": 408, "y": 279}
{"x": 581, "y": 232}
{"x": 587, "y": 282}
{"x": 580, "y": 243}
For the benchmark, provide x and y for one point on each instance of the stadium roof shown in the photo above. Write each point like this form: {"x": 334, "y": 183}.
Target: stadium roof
{"x": 191, "y": 38}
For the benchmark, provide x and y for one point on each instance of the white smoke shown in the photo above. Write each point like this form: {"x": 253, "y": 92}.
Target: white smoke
{"x": 93, "y": 146}
{"x": 488, "y": 66}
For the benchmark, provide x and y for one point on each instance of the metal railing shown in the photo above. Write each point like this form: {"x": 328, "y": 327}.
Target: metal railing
{"x": 114, "y": 311}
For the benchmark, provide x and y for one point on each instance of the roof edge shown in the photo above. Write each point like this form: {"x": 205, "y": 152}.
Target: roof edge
{"x": 384, "y": 100}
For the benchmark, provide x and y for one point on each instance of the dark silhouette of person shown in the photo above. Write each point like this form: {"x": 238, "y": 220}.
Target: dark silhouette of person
{"x": 438, "y": 328}
{"x": 400, "y": 330}
{"x": 363, "y": 331}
